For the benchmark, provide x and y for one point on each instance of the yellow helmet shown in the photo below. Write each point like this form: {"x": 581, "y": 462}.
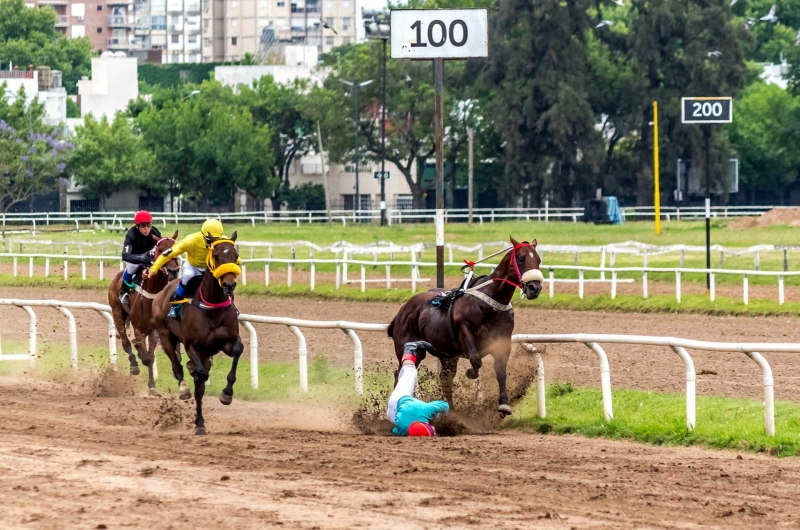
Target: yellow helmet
{"x": 212, "y": 229}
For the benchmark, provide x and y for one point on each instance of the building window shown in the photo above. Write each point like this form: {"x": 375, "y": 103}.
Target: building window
{"x": 158, "y": 22}
{"x": 99, "y": 8}
{"x": 205, "y": 23}
{"x": 345, "y": 40}
{"x": 176, "y": 57}
{"x": 234, "y": 22}
{"x": 329, "y": 41}
{"x": 350, "y": 201}
{"x": 175, "y": 19}
{"x": 345, "y": 23}
{"x": 207, "y": 42}
{"x": 192, "y": 39}
{"x": 281, "y": 4}
{"x": 234, "y": 40}
{"x": 345, "y": 3}
{"x": 99, "y": 30}
{"x": 176, "y": 38}
{"x": 329, "y": 21}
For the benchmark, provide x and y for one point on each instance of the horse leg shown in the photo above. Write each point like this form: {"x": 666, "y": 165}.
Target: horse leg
{"x": 120, "y": 323}
{"x": 170, "y": 345}
{"x": 199, "y": 372}
{"x": 234, "y": 349}
{"x": 468, "y": 347}
{"x": 150, "y": 361}
{"x": 500, "y": 363}
{"x": 447, "y": 373}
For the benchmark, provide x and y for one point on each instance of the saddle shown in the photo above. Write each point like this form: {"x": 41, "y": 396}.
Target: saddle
{"x": 445, "y": 301}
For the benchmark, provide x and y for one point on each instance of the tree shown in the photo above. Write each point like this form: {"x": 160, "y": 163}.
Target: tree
{"x": 32, "y": 156}
{"x": 28, "y": 36}
{"x": 109, "y": 157}
{"x": 765, "y": 133}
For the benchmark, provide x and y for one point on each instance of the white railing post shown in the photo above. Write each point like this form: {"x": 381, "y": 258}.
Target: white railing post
{"x": 112, "y": 339}
{"x": 102, "y": 272}
{"x": 344, "y": 267}
{"x": 338, "y": 269}
{"x": 73, "y": 337}
{"x": 46, "y": 267}
{"x": 313, "y": 275}
{"x": 302, "y": 353}
{"x": 690, "y": 386}
{"x": 83, "y": 269}
{"x": 244, "y": 274}
{"x": 413, "y": 272}
{"x": 388, "y": 277}
{"x": 253, "y": 353}
{"x": 644, "y": 284}
{"x": 266, "y": 274}
{"x": 603, "y": 263}
{"x": 552, "y": 282}
{"x": 66, "y": 270}
{"x": 613, "y": 284}
{"x": 678, "y": 286}
{"x": 712, "y": 292}
{"x": 580, "y": 284}
{"x": 780, "y": 290}
{"x": 358, "y": 368}
{"x": 769, "y": 392}
{"x": 605, "y": 379}
{"x": 745, "y": 291}
{"x": 363, "y": 278}
{"x": 540, "y": 386}
{"x": 15, "y": 266}
{"x": 289, "y": 274}
{"x": 31, "y": 334}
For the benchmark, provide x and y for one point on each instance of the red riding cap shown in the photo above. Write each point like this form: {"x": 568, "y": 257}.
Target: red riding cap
{"x": 142, "y": 216}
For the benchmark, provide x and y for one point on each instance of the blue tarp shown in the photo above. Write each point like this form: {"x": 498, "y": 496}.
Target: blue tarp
{"x": 613, "y": 211}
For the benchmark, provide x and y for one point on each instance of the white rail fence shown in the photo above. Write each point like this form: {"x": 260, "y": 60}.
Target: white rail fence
{"x": 591, "y": 341}
{"x": 118, "y": 220}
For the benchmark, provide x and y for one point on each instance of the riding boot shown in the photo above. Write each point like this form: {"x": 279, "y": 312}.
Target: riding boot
{"x": 179, "y": 294}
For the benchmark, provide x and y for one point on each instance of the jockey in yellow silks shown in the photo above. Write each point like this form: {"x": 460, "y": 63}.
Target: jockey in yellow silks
{"x": 196, "y": 247}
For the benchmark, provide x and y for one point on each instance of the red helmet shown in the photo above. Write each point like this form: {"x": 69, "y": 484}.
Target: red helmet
{"x": 142, "y": 216}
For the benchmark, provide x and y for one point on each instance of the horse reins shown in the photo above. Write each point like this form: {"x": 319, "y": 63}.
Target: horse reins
{"x": 521, "y": 283}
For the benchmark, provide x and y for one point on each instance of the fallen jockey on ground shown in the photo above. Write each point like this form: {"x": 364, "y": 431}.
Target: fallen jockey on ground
{"x": 411, "y": 416}
{"x": 137, "y": 251}
{"x": 196, "y": 246}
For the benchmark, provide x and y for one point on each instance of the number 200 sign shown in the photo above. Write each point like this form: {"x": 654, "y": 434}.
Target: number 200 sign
{"x": 439, "y": 33}
{"x": 707, "y": 110}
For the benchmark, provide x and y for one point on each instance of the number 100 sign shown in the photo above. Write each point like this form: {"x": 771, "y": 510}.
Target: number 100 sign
{"x": 707, "y": 110}
{"x": 439, "y": 33}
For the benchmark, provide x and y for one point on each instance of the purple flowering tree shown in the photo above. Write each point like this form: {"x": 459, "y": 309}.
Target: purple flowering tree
{"x": 31, "y": 161}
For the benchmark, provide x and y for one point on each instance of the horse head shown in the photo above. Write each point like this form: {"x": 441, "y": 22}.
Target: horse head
{"x": 171, "y": 268}
{"x": 223, "y": 263}
{"x": 526, "y": 271}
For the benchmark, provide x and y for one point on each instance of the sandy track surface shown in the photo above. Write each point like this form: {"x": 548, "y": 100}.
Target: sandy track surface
{"x": 71, "y": 459}
{"x": 640, "y": 367}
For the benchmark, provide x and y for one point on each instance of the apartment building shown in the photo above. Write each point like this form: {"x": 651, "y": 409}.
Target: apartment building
{"x": 106, "y": 23}
{"x": 232, "y": 28}
{"x": 172, "y": 26}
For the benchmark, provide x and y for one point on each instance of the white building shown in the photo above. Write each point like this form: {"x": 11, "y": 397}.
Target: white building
{"x": 114, "y": 83}
{"x": 775, "y": 74}
{"x": 43, "y": 85}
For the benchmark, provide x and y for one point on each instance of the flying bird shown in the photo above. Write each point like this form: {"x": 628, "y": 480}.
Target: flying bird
{"x": 715, "y": 53}
{"x": 620, "y": 3}
{"x": 328, "y": 26}
{"x": 605, "y": 23}
{"x": 770, "y": 17}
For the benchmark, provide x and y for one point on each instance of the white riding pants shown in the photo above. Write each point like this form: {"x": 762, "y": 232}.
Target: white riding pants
{"x": 406, "y": 381}
{"x": 132, "y": 268}
{"x": 189, "y": 271}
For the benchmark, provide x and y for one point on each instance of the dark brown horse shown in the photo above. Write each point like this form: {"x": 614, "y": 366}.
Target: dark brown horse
{"x": 476, "y": 323}
{"x": 139, "y": 311}
{"x": 208, "y": 324}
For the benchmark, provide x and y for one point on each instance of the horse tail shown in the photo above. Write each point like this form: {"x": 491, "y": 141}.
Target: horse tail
{"x": 390, "y": 330}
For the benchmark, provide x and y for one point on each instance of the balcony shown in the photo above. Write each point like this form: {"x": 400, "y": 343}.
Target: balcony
{"x": 193, "y": 7}
{"x": 123, "y": 43}
{"x": 192, "y": 29}
{"x": 118, "y": 21}
{"x": 176, "y": 28}
{"x": 62, "y": 21}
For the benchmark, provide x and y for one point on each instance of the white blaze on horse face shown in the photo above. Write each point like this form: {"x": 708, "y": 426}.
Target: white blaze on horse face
{"x": 225, "y": 251}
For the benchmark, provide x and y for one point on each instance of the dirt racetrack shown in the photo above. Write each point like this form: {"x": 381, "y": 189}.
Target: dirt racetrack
{"x": 70, "y": 459}
{"x": 73, "y": 457}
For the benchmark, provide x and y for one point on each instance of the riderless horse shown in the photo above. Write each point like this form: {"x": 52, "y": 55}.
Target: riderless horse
{"x": 473, "y": 321}
{"x": 208, "y": 324}
{"x": 138, "y": 311}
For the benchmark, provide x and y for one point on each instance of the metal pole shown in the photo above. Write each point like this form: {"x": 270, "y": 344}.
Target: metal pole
{"x": 438, "y": 83}
{"x": 707, "y": 131}
{"x": 324, "y": 176}
{"x": 657, "y": 190}
{"x": 383, "y": 138}
{"x": 470, "y": 134}
{"x": 355, "y": 93}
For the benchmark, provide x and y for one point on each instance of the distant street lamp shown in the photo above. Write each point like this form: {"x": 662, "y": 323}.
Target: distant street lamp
{"x": 376, "y": 26}
{"x": 355, "y": 87}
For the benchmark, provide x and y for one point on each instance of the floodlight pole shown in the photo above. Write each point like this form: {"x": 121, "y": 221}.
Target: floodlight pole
{"x": 707, "y": 134}
{"x": 438, "y": 84}
{"x": 383, "y": 136}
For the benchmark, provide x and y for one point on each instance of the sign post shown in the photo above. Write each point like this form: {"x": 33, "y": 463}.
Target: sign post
{"x": 706, "y": 111}
{"x": 657, "y": 189}
{"x": 439, "y": 34}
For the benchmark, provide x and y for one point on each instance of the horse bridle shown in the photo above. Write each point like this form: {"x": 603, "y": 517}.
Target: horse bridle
{"x": 156, "y": 253}
{"x": 531, "y": 275}
{"x": 223, "y": 269}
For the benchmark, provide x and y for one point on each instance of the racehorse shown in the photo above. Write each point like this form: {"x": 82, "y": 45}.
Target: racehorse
{"x": 138, "y": 312}
{"x": 472, "y": 322}
{"x": 208, "y": 324}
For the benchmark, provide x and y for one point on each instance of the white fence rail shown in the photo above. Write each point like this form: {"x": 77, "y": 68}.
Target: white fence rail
{"x": 117, "y": 220}
{"x": 591, "y": 341}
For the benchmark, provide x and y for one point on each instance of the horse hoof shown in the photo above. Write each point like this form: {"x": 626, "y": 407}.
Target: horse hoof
{"x": 225, "y": 399}
{"x": 200, "y": 431}
{"x": 153, "y": 392}
{"x": 505, "y": 410}
{"x": 472, "y": 373}
{"x": 135, "y": 370}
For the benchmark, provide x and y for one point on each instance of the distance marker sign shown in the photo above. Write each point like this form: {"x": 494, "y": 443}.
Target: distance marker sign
{"x": 707, "y": 110}
{"x": 439, "y": 33}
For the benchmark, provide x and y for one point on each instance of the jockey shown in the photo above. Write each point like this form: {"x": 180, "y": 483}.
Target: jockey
{"x": 196, "y": 248}
{"x": 410, "y": 416}
{"x": 139, "y": 242}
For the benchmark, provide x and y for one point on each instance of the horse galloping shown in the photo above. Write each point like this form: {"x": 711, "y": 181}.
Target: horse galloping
{"x": 208, "y": 324}
{"x": 472, "y": 322}
{"x": 138, "y": 313}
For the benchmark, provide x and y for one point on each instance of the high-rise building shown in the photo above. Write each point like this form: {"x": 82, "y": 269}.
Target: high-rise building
{"x": 172, "y": 26}
{"x": 233, "y": 28}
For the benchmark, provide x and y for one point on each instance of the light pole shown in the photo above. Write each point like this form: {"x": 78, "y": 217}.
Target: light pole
{"x": 376, "y": 26}
{"x": 355, "y": 87}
